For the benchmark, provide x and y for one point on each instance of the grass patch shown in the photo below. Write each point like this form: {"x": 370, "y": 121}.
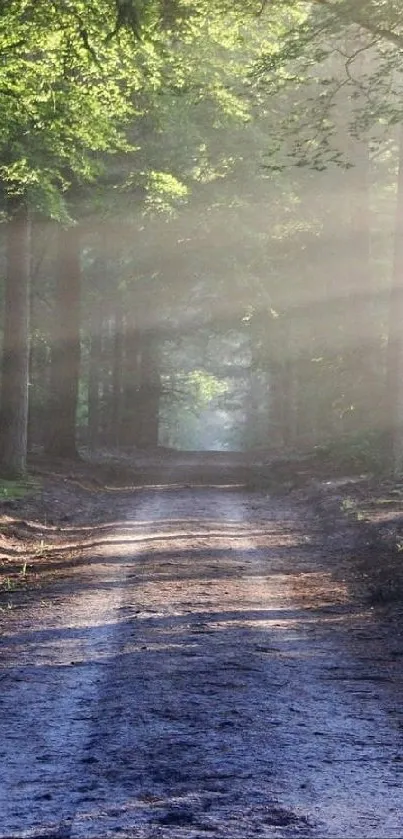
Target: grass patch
{"x": 14, "y": 489}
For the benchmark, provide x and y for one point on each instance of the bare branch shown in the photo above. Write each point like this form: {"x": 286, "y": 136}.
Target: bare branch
{"x": 352, "y": 16}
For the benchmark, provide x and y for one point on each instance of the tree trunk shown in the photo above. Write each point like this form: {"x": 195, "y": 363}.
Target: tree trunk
{"x": 117, "y": 374}
{"x": 41, "y": 241}
{"x": 94, "y": 367}
{"x": 65, "y": 354}
{"x": 130, "y": 386}
{"x": 361, "y": 340}
{"x": 149, "y": 392}
{"x": 15, "y": 361}
{"x": 39, "y": 385}
{"x": 394, "y": 356}
{"x": 105, "y": 380}
{"x": 276, "y": 407}
{"x": 289, "y": 403}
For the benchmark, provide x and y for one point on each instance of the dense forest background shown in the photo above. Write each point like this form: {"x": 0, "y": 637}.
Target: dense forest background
{"x": 202, "y": 227}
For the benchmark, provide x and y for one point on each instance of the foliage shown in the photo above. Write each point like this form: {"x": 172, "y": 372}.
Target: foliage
{"x": 64, "y": 96}
{"x": 336, "y": 71}
{"x": 196, "y": 127}
{"x": 356, "y": 453}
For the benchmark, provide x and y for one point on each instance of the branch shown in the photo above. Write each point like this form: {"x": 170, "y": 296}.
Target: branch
{"x": 351, "y": 16}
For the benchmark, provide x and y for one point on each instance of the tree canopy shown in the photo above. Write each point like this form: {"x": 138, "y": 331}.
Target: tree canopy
{"x": 219, "y": 164}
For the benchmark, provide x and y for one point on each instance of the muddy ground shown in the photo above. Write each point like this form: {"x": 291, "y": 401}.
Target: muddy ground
{"x": 198, "y": 647}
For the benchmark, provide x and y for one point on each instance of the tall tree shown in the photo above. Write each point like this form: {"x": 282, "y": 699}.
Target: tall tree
{"x": 65, "y": 356}
{"x": 394, "y": 365}
{"x": 15, "y": 359}
{"x": 65, "y": 89}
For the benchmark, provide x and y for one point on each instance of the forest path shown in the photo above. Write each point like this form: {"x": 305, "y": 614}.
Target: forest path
{"x": 200, "y": 674}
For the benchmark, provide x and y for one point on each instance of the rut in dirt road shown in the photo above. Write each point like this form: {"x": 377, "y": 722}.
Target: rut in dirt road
{"x": 199, "y": 675}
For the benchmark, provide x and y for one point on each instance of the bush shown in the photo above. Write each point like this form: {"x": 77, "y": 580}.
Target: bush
{"x": 356, "y": 452}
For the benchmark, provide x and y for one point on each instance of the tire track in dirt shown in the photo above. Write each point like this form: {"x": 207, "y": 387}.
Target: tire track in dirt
{"x": 222, "y": 685}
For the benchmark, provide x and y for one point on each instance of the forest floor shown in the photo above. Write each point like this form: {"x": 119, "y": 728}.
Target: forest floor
{"x": 199, "y": 646}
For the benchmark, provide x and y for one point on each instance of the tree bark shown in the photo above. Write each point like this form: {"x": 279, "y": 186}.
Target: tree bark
{"x": 15, "y": 361}
{"x": 41, "y": 243}
{"x": 105, "y": 379}
{"x": 117, "y": 374}
{"x": 94, "y": 366}
{"x": 38, "y": 389}
{"x": 362, "y": 347}
{"x": 130, "y": 386}
{"x": 149, "y": 392}
{"x": 393, "y": 416}
{"x": 65, "y": 353}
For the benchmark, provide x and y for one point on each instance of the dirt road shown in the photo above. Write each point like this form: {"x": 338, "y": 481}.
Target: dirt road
{"x": 200, "y": 674}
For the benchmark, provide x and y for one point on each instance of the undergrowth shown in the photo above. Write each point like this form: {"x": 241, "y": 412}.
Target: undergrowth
{"x": 18, "y": 488}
